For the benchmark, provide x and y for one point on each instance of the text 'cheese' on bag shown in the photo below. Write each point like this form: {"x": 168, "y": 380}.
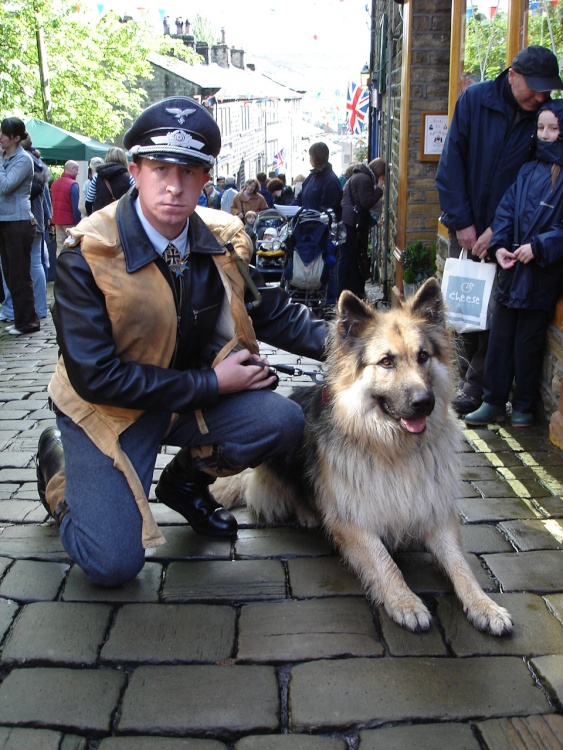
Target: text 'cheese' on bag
{"x": 466, "y": 288}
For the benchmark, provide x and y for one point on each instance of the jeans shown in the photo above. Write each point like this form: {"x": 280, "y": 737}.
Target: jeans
{"x": 16, "y": 239}
{"x": 102, "y": 530}
{"x": 38, "y": 279}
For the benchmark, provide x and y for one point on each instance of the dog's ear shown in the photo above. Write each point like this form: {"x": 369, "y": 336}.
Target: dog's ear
{"x": 353, "y": 314}
{"x": 429, "y": 303}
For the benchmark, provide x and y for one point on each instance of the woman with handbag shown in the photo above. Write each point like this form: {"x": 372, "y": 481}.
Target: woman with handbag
{"x": 362, "y": 193}
{"x": 110, "y": 181}
{"x": 527, "y": 244}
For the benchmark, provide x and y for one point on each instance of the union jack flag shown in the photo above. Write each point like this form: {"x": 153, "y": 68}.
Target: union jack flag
{"x": 279, "y": 161}
{"x": 357, "y": 102}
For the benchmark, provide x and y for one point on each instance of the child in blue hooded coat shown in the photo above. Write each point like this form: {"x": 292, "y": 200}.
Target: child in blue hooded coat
{"x": 527, "y": 244}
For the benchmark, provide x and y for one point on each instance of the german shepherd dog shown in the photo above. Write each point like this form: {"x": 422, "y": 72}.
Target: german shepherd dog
{"x": 377, "y": 466}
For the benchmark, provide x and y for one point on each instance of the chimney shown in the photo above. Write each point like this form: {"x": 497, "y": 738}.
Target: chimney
{"x": 237, "y": 58}
{"x": 202, "y": 48}
{"x": 222, "y": 35}
{"x": 220, "y": 55}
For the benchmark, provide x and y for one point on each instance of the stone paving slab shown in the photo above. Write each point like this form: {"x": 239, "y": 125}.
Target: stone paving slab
{"x": 401, "y": 642}
{"x": 555, "y": 604}
{"x": 12, "y": 738}
{"x": 183, "y": 543}
{"x": 321, "y": 576}
{"x": 38, "y": 542}
{"x": 22, "y": 511}
{"x": 420, "y": 737}
{"x": 15, "y": 459}
{"x": 244, "y": 580}
{"x": 170, "y": 633}
{"x": 80, "y": 700}
{"x": 254, "y": 543}
{"x": 31, "y": 580}
{"x": 533, "y": 571}
{"x": 143, "y": 588}
{"x": 490, "y": 510}
{"x": 218, "y": 700}
{"x": 527, "y": 733}
{"x": 530, "y": 535}
{"x": 550, "y": 671}
{"x": 8, "y": 611}
{"x": 290, "y": 742}
{"x": 353, "y": 692}
{"x": 536, "y": 630}
{"x": 159, "y": 743}
{"x": 480, "y": 538}
{"x": 299, "y": 631}
{"x": 41, "y": 633}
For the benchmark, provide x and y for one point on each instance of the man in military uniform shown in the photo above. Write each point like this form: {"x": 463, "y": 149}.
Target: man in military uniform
{"x": 156, "y": 324}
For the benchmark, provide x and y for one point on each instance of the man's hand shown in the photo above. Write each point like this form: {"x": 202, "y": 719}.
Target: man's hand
{"x": 482, "y": 244}
{"x": 505, "y": 258}
{"x": 234, "y": 376}
{"x": 466, "y": 237}
{"x": 524, "y": 253}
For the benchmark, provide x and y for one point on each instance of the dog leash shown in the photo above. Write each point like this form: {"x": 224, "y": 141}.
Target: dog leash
{"x": 317, "y": 376}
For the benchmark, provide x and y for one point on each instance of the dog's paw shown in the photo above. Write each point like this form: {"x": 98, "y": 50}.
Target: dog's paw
{"x": 409, "y": 612}
{"x": 490, "y": 617}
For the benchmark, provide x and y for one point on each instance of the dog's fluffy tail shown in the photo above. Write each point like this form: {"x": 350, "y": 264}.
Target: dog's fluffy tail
{"x": 230, "y": 492}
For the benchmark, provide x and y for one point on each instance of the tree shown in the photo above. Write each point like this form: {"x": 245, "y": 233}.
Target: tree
{"x": 94, "y": 65}
{"x": 485, "y": 38}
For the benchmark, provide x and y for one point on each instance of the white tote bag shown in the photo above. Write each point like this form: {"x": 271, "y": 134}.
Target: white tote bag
{"x": 466, "y": 288}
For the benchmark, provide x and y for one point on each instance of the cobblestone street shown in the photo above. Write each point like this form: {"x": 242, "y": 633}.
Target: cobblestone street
{"x": 267, "y": 643}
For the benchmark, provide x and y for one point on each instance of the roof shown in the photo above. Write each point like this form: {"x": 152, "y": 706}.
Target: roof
{"x": 226, "y": 83}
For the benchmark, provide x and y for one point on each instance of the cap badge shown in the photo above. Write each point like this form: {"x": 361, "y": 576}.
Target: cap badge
{"x": 178, "y": 138}
{"x": 180, "y": 114}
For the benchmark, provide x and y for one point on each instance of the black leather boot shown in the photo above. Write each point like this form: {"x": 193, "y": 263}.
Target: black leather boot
{"x": 184, "y": 487}
{"x": 50, "y": 461}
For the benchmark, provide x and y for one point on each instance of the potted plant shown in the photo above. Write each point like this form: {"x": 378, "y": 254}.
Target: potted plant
{"x": 419, "y": 263}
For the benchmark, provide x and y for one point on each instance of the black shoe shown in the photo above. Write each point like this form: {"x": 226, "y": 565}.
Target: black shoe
{"x": 464, "y": 404}
{"x": 188, "y": 494}
{"x": 50, "y": 460}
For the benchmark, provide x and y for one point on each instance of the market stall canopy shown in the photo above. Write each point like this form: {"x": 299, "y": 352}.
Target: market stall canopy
{"x": 58, "y": 145}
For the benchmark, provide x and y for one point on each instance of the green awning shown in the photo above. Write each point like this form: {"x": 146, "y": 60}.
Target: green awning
{"x": 58, "y": 145}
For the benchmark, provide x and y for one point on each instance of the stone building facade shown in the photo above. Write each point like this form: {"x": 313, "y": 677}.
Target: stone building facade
{"x": 257, "y": 116}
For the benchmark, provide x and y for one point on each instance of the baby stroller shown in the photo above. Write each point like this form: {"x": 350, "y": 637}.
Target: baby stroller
{"x": 270, "y": 253}
{"x": 310, "y": 241}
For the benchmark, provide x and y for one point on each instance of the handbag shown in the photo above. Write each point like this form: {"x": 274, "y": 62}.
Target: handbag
{"x": 466, "y": 289}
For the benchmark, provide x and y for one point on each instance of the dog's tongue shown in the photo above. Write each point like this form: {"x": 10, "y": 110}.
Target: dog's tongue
{"x": 414, "y": 425}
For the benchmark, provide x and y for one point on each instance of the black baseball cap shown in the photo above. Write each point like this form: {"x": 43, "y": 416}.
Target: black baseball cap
{"x": 539, "y": 67}
{"x": 177, "y": 130}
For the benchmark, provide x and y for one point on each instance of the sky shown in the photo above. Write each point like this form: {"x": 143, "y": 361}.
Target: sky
{"x": 328, "y": 39}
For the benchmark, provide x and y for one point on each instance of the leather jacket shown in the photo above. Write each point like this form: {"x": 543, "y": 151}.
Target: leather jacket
{"x": 85, "y": 335}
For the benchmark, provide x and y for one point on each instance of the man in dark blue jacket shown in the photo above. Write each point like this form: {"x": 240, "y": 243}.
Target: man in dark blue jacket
{"x": 489, "y": 139}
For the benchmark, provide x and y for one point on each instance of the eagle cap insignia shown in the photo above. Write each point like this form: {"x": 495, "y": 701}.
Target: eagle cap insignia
{"x": 180, "y": 114}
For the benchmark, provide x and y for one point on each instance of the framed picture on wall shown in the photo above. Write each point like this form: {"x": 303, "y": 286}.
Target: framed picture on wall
{"x": 434, "y": 127}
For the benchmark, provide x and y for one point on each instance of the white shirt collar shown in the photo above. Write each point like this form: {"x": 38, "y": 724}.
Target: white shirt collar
{"x": 159, "y": 241}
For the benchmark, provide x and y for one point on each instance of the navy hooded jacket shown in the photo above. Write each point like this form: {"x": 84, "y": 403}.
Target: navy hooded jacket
{"x": 488, "y": 140}
{"x": 532, "y": 212}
